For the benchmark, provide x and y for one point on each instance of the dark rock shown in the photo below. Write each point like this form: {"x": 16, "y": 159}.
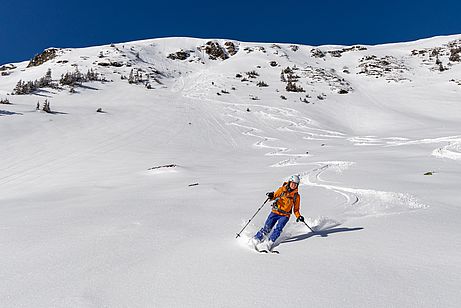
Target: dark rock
{"x": 5, "y": 101}
{"x": 7, "y": 67}
{"x": 215, "y": 51}
{"x": 317, "y": 53}
{"x": 231, "y": 48}
{"x": 179, "y": 55}
{"x": 41, "y": 58}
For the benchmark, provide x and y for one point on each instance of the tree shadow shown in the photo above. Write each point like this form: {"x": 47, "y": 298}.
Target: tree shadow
{"x": 321, "y": 233}
{"x": 57, "y": 112}
{"x": 43, "y": 93}
{"x": 88, "y": 87}
{"x": 5, "y": 112}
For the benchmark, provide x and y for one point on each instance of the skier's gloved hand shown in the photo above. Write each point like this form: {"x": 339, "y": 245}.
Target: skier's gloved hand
{"x": 270, "y": 195}
{"x": 300, "y": 218}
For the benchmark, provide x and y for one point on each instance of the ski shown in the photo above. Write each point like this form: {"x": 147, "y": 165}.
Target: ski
{"x": 267, "y": 251}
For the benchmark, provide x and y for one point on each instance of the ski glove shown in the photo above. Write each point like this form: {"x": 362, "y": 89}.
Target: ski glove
{"x": 270, "y": 195}
{"x": 300, "y": 218}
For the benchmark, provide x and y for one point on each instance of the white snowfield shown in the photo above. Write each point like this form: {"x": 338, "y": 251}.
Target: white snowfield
{"x": 139, "y": 205}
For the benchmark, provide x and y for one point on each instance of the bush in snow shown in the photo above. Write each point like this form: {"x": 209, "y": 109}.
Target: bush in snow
{"x": 292, "y": 87}
{"x": 24, "y": 88}
{"x": 454, "y": 54}
{"x": 28, "y": 87}
{"x": 76, "y": 78}
{"x": 5, "y": 101}
{"x": 72, "y": 79}
{"x": 262, "y": 84}
{"x": 252, "y": 74}
{"x": 135, "y": 77}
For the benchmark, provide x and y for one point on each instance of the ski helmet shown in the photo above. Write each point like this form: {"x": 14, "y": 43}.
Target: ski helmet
{"x": 295, "y": 179}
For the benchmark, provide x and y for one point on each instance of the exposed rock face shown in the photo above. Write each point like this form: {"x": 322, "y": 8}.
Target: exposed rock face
{"x": 315, "y": 75}
{"x": 232, "y": 49}
{"x": 256, "y": 48}
{"x": 317, "y": 53}
{"x": 388, "y": 67}
{"x": 41, "y": 58}
{"x": 111, "y": 63}
{"x": 179, "y": 55}
{"x": 215, "y": 51}
{"x": 339, "y": 52}
{"x": 7, "y": 67}
{"x": 435, "y": 57}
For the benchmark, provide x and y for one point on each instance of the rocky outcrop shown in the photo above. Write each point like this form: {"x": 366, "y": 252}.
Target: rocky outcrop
{"x": 179, "y": 55}
{"x": 339, "y": 52}
{"x": 215, "y": 51}
{"x": 231, "y": 47}
{"x": 41, "y": 58}
{"x": 440, "y": 58}
{"x": 388, "y": 67}
{"x": 317, "y": 53}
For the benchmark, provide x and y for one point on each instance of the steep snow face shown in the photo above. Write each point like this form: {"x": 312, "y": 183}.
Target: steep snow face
{"x": 138, "y": 204}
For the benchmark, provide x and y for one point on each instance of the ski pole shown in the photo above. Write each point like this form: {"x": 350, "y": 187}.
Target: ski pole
{"x": 238, "y": 234}
{"x": 308, "y": 227}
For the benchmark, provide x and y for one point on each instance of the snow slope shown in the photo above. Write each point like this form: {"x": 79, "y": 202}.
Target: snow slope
{"x": 102, "y": 210}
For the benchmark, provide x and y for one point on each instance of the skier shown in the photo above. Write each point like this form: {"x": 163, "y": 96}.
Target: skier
{"x": 287, "y": 199}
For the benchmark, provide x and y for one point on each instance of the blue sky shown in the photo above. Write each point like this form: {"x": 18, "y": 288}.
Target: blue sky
{"x": 27, "y": 27}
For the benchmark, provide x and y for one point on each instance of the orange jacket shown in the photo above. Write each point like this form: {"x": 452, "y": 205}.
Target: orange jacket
{"x": 286, "y": 201}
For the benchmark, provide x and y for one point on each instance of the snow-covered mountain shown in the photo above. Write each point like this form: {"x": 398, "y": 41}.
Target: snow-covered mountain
{"x": 137, "y": 205}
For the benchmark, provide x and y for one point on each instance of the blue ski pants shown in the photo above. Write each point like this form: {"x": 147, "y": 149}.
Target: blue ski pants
{"x": 271, "y": 220}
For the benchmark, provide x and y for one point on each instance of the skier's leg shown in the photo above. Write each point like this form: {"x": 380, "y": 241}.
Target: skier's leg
{"x": 268, "y": 225}
{"x": 282, "y": 221}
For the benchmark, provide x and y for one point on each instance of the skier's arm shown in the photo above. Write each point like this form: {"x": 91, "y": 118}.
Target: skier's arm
{"x": 278, "y": 193}
{"x": 296, "y": 206}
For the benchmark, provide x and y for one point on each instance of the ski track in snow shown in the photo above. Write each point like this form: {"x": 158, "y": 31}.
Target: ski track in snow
{"x": 357, "y": 202}
{"x": 451, "y": 151}
{"x": 361, "y": 202}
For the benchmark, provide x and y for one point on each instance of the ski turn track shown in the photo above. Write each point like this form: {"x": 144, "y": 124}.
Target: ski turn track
{"x": 357, "y": 202}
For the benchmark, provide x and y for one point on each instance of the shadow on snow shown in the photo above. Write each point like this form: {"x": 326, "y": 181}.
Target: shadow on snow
{"x": 322, "y": 233}
{"x": 5, "y": 112}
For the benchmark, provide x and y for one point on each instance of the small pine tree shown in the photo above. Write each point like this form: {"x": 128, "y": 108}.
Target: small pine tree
{"x": 46, "y": 106}
{"x": 282, "y": 77}
{"x": 19, "y": 88}
{"x": 131, "y": 78}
